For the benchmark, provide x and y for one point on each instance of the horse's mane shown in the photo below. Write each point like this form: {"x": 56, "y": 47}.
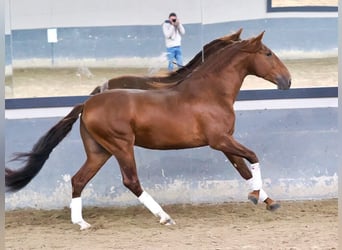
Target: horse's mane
{"x": 225, "y": 55}
{"x": 208, "y": 48}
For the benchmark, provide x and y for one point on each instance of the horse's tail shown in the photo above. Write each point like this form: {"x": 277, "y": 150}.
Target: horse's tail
{"x": 97, "y": 90}
{"x": 34, "y": 160}
{"x": 100, "y": 89}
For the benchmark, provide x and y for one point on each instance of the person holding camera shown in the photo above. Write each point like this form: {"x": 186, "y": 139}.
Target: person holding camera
{"x": 173, "y": 31}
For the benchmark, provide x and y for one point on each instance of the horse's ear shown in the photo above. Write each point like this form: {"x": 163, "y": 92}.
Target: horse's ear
{"x": 261, "y": 35}
{"x": 238, "y": 33}
{"x": 232, "y": 37}
{"x": 258, "y": 38}
{"x": 254, "y": 44}
{"x": 256, "y": 41}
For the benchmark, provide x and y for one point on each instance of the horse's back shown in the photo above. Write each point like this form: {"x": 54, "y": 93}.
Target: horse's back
{"x": 109, "y": 101}
{"x": 120, "y": 105}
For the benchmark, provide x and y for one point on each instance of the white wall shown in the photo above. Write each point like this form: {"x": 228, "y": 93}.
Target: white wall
{"x": 31, "y": 14}
{"x": 81, "y": 13}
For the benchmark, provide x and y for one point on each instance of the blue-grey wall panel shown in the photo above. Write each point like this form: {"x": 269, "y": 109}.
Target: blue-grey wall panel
{"x": 8, "y": 50}
{"x": 282, "y": 34}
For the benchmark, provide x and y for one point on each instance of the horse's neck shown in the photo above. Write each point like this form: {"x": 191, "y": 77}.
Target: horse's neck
{"x": 233, "y": 74}
{"x": 225, "y": 81}
{"x": 211, "y": 88}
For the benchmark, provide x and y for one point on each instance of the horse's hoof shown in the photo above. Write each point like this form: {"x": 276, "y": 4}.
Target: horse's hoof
{"x": 253, "y": 198}
{"x": 168, "y": 222}
{"x": 84, "y": 225}
{"x": 273, "y": 206}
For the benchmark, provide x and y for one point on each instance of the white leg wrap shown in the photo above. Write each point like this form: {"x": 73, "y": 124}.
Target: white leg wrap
{"x": 250, "y": 184}
{"x": 155, "y": 208}
{"x": 150, "y": 203}
{"x": 76, "y": 213}
{"x": 256, "y": 181}
{"x": 262, "y": 195}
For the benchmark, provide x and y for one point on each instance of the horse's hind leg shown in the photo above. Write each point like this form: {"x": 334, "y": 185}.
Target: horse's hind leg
{"x": 245, "y": 173}
{"x": 96, "y": 157}
{"x": 125, "y": 158}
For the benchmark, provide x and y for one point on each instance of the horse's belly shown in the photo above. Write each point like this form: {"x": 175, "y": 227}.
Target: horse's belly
{"x": 169, "y": 138}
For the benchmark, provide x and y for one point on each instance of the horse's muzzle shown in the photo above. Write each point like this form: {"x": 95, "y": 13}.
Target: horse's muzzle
{"x": 283, "y": 83}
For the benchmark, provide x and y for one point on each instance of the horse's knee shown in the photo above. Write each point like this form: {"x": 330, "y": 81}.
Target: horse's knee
{"x": 133, "y": 185}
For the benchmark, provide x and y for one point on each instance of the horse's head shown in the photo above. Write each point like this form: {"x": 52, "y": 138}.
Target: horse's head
{"x": 266, "y": 64}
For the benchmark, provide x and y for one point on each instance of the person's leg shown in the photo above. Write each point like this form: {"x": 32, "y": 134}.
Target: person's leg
{"x": 170, "y": 56}
{"x": 179, "y": 57}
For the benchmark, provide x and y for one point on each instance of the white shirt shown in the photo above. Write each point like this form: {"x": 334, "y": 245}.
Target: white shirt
{"x": 172, "y": 34}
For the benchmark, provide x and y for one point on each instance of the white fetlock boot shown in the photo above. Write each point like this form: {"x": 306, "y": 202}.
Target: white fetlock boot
{"x": 255, "y": 183}
{"x": 76, "y": 213}
{"x": 156, "y": 209}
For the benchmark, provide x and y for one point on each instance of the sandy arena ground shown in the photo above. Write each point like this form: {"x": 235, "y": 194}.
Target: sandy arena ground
{"x": 297, "y": 225}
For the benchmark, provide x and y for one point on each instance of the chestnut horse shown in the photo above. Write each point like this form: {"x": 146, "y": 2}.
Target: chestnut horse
{"x": 155, "y": 82}
{"x": 196, "y": 112}
{"x": 137, "y": 82}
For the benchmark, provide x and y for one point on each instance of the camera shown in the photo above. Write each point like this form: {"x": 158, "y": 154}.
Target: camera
{"x": 174, "y": 20}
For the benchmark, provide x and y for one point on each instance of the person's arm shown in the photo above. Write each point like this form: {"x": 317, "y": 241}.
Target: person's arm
{"x": 181, "y": 28}
{"x": 168, "y": 30}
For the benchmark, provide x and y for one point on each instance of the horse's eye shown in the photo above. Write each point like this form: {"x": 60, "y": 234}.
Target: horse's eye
{"x": 269, "y": 53}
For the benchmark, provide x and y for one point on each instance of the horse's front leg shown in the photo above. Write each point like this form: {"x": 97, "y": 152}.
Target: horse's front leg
{"x": 234, "y": 151}
{"x": 255, "y": 195}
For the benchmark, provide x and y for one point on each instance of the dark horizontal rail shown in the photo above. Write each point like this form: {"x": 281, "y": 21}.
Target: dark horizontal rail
{"x": 244, "y": 95}
{"x": 324, "y": 92}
